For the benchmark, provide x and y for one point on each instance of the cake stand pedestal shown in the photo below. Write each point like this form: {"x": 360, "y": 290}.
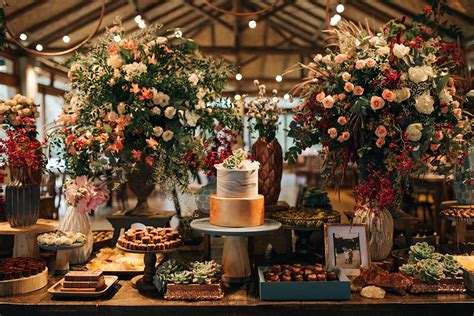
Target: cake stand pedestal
{"x": 61, "y": 265}
{"x": 235, "y": 256}
{"x": 24, "y": 242}
{"x": 144, "y": 283}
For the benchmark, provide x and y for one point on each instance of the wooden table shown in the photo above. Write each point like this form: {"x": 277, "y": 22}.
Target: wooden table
{"x": 125, "y": 300}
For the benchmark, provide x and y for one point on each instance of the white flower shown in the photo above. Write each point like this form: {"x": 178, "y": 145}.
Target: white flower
{"x": 318, "y": 58}
{"x": 326, "y": 59}
{"x": 384, "y": 50}
{"x": 157, "y": 131}
{"x": 115, "y": 61}
{"x": 200, "y": 105}
{"x": 191, "y": 118}
{"x": 156, "y": 110}
{"x": 134, "y": 70}
{"x": 414, "y": 131}
{"x": 402, "y": 94}
{"x": 170, "y": 112}
{"x": 167, "y": 135}
{"x": 400, "y": 50}
{"x": 161, "y": 40}
{"x": 445, "y": 97}
{"x": 420, "y": 73}
{"x": 424, "y": 103}
{"x": 161, "y": 99}
{"x": 193, "y": 78}
{"x": 201, "y": 93}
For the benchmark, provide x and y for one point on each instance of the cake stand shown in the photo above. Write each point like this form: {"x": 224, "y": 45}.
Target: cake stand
{"x": 460, "y": 222}
{"x": 144, "y": 283}
{"x": 61, "y": 265}
{"x": 235, "y": 256}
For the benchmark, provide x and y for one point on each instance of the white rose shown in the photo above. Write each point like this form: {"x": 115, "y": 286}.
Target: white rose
{"x": 414, "y": 131}
{"x": 191, "y": 118}
{"x": 167, "y": 135}
{"x": 384, "y": 50}
{"x": 445, "y": 97}
{"x": 161, "y": 40}
{"x": 158, "y": 131}
{"x": 115, "y": 61}
{"x": 402, "y": 94}
{"x": 400, "y": 50}
{"x": 193, "y": 78}
{"x": 156, "y": 110}
{"x": 318, "y": 58}
{"x": 420, "y": 73}
{"x": 4, "y": 108}
{"x": 424, "y": 103}
{"x": 200, "y": 105}
{"x": 170, "y": 112}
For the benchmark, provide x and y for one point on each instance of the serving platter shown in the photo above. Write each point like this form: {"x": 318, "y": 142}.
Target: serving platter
{"x": 55, "y": 290}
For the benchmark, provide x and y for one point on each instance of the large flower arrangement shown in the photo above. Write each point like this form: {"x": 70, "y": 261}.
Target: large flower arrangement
{"x": 387, "y": 102}
{"x": 141, "y": 101}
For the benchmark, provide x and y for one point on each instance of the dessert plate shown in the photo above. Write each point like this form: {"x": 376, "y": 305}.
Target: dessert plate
{"x": 55, "y": 290}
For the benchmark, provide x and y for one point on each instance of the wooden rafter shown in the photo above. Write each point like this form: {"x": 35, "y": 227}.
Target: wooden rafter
{"x": 163, "y": 15}
{"x": 80, "y": 22}
{"x": 294, "y": 18}
{"x": 25, "y": 9}
{"x": 369, "y": 10}
{"x": 208, "y": 14}
{"x": 270, "y": 13}
{"x": 230, "y": 50}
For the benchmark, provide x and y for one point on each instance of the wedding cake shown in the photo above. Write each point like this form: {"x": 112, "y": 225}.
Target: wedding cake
{"x": 237, "y": 202}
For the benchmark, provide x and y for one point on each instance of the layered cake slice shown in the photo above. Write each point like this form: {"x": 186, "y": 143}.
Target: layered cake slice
{"x": 83, "y": 281}
{"x": 237, "y": 202}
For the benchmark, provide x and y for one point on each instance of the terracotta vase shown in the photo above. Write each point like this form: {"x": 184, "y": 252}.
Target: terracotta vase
{"x": 270, "y": 156}
{"x": 141, "y": 183}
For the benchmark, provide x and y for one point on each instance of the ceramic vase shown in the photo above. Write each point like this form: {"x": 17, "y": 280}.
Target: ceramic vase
{"x": 140, "y": 181}
{"x": 77, "y": 221}
{"x": 203, "y": 195}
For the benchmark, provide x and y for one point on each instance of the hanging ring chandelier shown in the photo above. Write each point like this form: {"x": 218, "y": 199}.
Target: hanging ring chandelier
{"x": 63, "y": 52}
{"x": 258, "y": 12}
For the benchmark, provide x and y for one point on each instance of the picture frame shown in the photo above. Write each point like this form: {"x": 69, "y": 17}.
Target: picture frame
{"x": 347, "y": 247}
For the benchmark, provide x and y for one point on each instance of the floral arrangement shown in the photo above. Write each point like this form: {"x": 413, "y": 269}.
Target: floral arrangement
{"x": 85, "y": 195}
{"x": 141, "y": 100}
{"x": 428, "y": 265}
{"x": 18, "y": 111}
{"x": 388, "y": 102}
{"x": 238, "y": 161}
{"x": 263, "y": 113}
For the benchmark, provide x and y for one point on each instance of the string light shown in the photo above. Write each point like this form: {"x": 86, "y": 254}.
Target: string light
{"x": 117, "y": 38}
{"x": 335, "y": 19}
{"x": 138, "y": 19}
{"x": 23, "y": 37}
{"x": 238, "y": 77}
{"x": 66, "y": 39}
{"x": 39, "y": 47}
{"x": 278, "y": 78}
{"x": 237, "y": 97}
{"x": 275, "y": 99}
{"x": 252, "y": 24}
{"x": 286, "y": 96}
{"x": 142, "y": 24}
{"x": 340, "y": 8}
{"x": 178, "y": 33}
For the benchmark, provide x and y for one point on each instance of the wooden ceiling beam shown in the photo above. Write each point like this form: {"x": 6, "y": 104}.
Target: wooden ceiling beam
{"x": 294, "y": 16}
{"x": 368, "y": 9}
{"x": 25, "y": 9}
{"x": 164, "y": 14}
{"x": 200, "y": 9}
{"x": 231, "y": 50}
{"x": 90, "y": 17}
{"x": 275, "y": 10}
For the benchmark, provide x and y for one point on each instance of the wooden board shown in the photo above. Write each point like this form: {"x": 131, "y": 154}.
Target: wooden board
{"x": 55, "y": 290}
{"x": 24, "y": 285}
{"x": 41, "y": 226}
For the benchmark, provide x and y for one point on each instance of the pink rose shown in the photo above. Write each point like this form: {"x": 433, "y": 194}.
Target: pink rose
{"x": 455, "y": 104}
{"x": 380, "y": 142}
{"x": 342, "y": 120}
{"x": 434, "y": 147}
{"x": 332, "y": 132}
{"x": 457, "y": 113}
{"x": 360, "y": 64}
{"x": 381, "y": 131}
{"x": 320, "y": 96}
{"x": 358, "y": 90}
{"x": 346, "y": 135}
{"x": 444, "y": 109}
{"x": 376, "y": 103}
{"x": 340, "y": 58}
{"x": 342, "y": 96}
{"x": 439, "y": 135}
{"x": 348, "y": 86}
{"x": 112, "y": 116}
{"x": 346, "y": 76}
{"x": 370, "y": 62}
{"x": 328, "y": 102}
{"x": 388, "y": 95}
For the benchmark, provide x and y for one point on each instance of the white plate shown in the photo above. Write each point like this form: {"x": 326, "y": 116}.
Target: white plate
{"x": 55, "y": 290}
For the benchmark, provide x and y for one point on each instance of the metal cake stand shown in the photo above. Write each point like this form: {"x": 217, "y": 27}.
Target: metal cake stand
{"x": 235, "y": 256}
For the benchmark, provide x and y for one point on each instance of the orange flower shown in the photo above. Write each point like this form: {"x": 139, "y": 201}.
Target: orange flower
{"x": 152, "y": 143}
{"x": 130, "y": 45}
{"x": 114, "y": 49}
{"x": 147, "y": 94}
{"x": 135, "y": 88}
{"x": 136, "y": 154}
{"x": 117, "y": 145}
{"x": 152, "y": 60}
{"x": 149, "y": 160}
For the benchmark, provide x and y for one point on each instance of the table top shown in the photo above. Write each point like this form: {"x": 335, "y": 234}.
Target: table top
{"x": 204, "y": 226}
{"x": 41, "y": 226}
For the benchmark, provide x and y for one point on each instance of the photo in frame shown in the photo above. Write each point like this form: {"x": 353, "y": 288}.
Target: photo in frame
{"x": 346, "y": 247}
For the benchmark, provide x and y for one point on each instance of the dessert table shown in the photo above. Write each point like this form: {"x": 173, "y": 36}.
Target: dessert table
{"x": 123, "y": 299}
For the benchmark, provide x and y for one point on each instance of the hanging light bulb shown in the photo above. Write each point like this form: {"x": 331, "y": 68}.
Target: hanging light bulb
{"x": 237, "y": 97}
{"x": 238, "y": 77}
{"x": 252, "y": 24}
{"x": 286, "y": 96}
{"x": 39, "y": 47}
{"x": 142, "y": 24}
{"x": 138, "y": 19}
{"x": 340, "y": 8}
{"x": 66, "y": 39}
{"x": 23, "y": 37}
{"x": 275, "y": 99}
{"x": 278, "y": 78}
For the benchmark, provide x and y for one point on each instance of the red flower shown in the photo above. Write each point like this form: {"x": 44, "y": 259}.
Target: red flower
{"x": 428, "y": 10}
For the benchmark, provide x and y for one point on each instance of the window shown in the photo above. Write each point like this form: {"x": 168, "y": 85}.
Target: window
{"x": 7, "y": 91}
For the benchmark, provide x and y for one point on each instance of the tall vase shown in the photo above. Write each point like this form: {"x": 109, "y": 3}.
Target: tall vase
{"x": 270, "y": 156}
{"x": 22, "y": 200}
{"x": 380, "y": 226}
{"x": 140, "y": 182}
{"x": 77, "y": 221}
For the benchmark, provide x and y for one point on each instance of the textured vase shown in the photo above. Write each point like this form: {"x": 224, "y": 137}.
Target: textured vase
{"x": 270, "y": 156}
{"x": 380, "y": 226}
{"x": 22, "y": 200}
{"x": 463, "y": 188}
{"x": 140, "y": 182}
{"x": 203, "y": 195}
{"x": 77, "y": 221}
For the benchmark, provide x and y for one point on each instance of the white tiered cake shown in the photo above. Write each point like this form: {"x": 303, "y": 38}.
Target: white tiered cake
{"x": 237, "y": 202}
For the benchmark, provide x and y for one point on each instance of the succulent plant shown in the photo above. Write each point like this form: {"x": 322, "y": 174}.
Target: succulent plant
{"x": 429, "y": 270}
{"x": 408, "y": 268}
{"x": 181, "y": 277}
{"x": 450, "y": 265}
{"x": 206, "y": 272}
{"x": 421, "y": 251}
{"x": 164, "y": 271}
{"x": 316, "y": 198}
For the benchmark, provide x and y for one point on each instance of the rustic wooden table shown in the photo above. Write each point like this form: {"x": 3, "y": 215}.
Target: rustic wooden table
{"x": 243, "y": 300}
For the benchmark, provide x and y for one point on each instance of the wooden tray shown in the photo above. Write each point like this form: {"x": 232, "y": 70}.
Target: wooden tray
{"x": 55, "y": 290}
{"x": 24, "y": 285}
{"x": 448, "y": 285}
{"x": 194, "y": 292}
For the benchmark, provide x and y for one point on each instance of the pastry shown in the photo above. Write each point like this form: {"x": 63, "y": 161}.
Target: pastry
{"x": 150, "y": 239}
{"x": 19, "y": 267}
{"x": 83, "y": 281}
{"x": 298, "y": 272}
{"x": 60, "y": 238}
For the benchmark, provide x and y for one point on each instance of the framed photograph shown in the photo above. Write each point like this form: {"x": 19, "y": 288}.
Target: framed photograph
{"x": 347, "y": 247}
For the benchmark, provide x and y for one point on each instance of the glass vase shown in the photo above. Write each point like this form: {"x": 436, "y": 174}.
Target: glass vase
{"x": 380, "y": 226}
{"x": 22, "y": 200}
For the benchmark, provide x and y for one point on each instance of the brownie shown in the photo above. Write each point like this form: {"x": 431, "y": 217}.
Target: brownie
{"x": 92, "y": 275}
